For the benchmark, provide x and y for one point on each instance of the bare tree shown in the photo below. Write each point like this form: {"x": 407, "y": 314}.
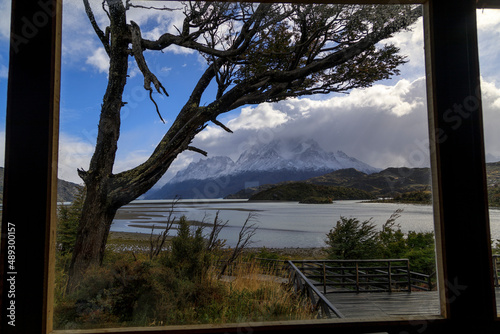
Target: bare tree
{"x": 247, "y": 232}
{"x": 157, "y": 242}
{"x": 213, "y": 241}
{"x": 255, "y": 53}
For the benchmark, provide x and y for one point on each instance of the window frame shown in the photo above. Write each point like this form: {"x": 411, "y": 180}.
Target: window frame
{"x": 467, "y": 299}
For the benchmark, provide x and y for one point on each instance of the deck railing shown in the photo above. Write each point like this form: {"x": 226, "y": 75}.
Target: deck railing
{"x": 387, "y": 275}
{"x": 303, "y": 286}
{"x": 496, "y": 270}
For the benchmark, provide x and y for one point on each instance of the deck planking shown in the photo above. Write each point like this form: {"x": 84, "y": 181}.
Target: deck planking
{"x": 386, "y": 304}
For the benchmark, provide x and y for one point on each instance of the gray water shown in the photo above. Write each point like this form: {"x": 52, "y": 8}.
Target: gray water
{"x": 280, "y": 224}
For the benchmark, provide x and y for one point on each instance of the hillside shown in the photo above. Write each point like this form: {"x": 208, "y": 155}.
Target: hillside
{"x": 302, "y": 192}
{"x": 493, "y": 173}
{"x": 404, "y": 184}
{"x": 387, "y": 183}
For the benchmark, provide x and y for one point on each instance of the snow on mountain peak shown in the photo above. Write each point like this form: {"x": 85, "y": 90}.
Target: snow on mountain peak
{"x": 293, "y": 155}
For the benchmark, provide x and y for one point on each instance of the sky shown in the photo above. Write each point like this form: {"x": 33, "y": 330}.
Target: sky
{"x": 384, "y": 125}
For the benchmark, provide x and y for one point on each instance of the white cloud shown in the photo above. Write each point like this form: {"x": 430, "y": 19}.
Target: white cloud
{"x": 130, "y": 160}
{"x": 411, "y": 44}
{"x": 488, "y": 19}
{"x": 488, "y": 35}
{"x": 100, "y": 60}
{"x": 5, "y": 6}
{"x": 382, "y": 125}
{"x": 491, "y": 117}
{"x": 74, "y": 153}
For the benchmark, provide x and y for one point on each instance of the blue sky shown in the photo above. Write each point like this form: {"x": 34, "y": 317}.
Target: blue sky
{"x": 385, "y": 125}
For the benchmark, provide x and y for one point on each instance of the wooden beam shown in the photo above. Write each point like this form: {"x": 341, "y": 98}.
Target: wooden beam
{"x": 459, "y": 175}
{"x": 26, "y": 264}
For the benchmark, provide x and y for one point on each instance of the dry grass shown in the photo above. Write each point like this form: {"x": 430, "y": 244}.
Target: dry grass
{"x": 268, "y": 293}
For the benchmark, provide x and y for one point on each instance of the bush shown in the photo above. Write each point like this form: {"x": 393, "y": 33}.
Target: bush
{"x": 145, "y": 293}
{"x": 188, "y": 255}
{"x": 68, "y": 217}
{"x": 352, "y": 239}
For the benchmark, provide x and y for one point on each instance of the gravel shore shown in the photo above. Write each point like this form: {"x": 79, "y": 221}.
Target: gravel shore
{"x": 293, "y": 253}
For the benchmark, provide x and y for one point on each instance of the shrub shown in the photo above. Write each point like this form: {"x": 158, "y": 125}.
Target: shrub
{"x": 188, "y": 254}
{"x": 352, "y": 239}
{"x": 67, "y": 223}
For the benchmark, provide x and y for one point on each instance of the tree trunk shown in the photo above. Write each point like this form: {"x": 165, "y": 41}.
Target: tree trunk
{"x": 93, "y": 232}
{"x": 99, "y": 206}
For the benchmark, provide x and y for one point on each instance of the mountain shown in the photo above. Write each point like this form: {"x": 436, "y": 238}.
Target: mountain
{"x": 302, "y": 191}
{"x": 66, "y": 191}
{"x": 274, "y": 162}
{"x": 389, "y": 182}
{"x": 386, "y": 183}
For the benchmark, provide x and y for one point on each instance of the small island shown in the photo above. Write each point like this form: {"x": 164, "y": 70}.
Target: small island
{"x": 316, "y": 200}
{"x": 411, "y": 197}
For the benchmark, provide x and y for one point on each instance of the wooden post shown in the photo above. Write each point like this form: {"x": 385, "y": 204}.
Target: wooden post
{"x": 28, "y": 229}
{"x": 357, "y": 278}
{"x": 408, "y": 274}
{"x": 389, "y": 275}
{"x": 457, "y": 153}
{"x": 324, "y": 278}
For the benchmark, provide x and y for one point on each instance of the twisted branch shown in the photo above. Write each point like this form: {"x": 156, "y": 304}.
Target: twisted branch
{"x": 149, "y": 77}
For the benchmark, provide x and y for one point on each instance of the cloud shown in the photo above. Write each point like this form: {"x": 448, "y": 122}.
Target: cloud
{"x": 100, "y": 60}
{"x": 74, "y": 153}
{"x": 5, "y": 7}
{"x": 491, "y": 117}
{"x": 488, "y": 22}
{"x": 411, "y": 44}
{"x": 382, "y": 125}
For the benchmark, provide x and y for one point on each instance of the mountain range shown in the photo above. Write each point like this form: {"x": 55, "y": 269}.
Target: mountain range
{"x": 276, "y": 161}
{"x": 386, "y": 183}
{"x": 389, "y": 182}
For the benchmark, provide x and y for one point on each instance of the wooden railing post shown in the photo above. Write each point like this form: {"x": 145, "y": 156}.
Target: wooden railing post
{"x": 389, "y": 276}
{"x": 357, "y": 276}
{"x": 495, "y": 269}
{"x": 409, "y": 274}
{"x": 324, "y": 278}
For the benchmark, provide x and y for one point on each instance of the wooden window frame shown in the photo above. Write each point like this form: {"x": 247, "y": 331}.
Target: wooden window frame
{"x": 458, "y": 169}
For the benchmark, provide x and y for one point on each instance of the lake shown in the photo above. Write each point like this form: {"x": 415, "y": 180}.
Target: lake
{"x": 280, "y": 224}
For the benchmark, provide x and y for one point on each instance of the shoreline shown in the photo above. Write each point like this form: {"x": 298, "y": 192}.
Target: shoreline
{"x": 292, "y": 252}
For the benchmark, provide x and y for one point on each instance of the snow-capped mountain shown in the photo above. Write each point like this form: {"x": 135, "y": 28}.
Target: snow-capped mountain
{"x": 274, "y": 162}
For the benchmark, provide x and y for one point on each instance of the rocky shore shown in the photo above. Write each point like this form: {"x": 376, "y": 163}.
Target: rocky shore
{"x": 136, "y": 241}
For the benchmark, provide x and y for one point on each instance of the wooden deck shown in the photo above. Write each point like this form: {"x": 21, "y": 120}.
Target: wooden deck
{"x": 384, "y": 304}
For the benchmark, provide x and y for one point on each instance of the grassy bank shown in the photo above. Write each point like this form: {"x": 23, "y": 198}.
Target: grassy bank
{"x": 183, "y": 284}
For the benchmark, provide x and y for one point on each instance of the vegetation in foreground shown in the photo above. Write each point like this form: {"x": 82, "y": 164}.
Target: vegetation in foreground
{"x": 354, "y": 239}
{"x": 193, "y": 279}
{"x": 189, "y": 279}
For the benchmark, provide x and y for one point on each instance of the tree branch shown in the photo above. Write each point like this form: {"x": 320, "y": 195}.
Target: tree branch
{"x": 149, "y": 77}
{"x": 197, "y": 150}
{"x": 216, "y": 122}
{"x": 102, "y": 37}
